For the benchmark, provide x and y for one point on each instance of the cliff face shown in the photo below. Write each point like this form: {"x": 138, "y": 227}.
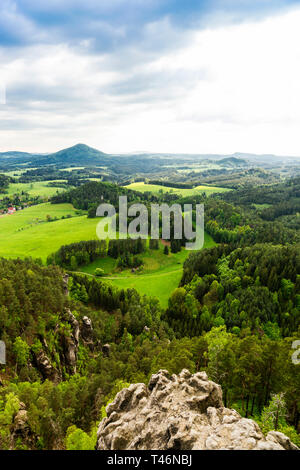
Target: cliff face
{"x": 184, "y": 412}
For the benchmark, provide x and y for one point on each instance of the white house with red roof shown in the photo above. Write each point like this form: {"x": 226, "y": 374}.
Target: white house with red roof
{"x": 11, "y": 210}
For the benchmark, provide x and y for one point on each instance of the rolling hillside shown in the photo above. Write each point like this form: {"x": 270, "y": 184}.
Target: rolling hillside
{"x": 155, "y": 188}
{"x": 27, "y": 232}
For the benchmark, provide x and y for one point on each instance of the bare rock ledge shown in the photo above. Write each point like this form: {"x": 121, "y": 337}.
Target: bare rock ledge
{"x": 183, "y": 412}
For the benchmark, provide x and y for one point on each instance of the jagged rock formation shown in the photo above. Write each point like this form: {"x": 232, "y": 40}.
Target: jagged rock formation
{"x": 183, "y": 412}
{"x": 71, "y": 343}
{"x": 21, "y": 428}
{"x": 68, "y": 347}
{"x": 87, "y": 332}
{"x": 66, "y": 283}
{"x": 106, "y": 350}
{"x": 45, "y": 367}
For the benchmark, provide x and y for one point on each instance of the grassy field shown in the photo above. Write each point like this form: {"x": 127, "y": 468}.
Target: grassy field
{"x": 160, "y": 285}
{"x": 69, "y": 169}
{"x": 27, "y": 233}
{"x": 160, "y": 275}
{"x": 39, "y": 188}
{"x": 262, "y": 206}
{"x": 17, "y": 173}
{"x": 155, "y": 188}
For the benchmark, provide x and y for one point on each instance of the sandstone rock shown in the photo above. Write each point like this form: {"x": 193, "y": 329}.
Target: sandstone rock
{"x": 70, "y": 354}
{"x": 87, "y": 332}
{"x": 45, "y": 367}
{"x": 106, "y": 350}
{"x": 65, "y": 284}
{"x": 281, "y": 439}
{"x": 75, "y": 327}
{"x": 21, "y": 428}
{"x": 70, "y": 344}
{"x": 183, "y": 412}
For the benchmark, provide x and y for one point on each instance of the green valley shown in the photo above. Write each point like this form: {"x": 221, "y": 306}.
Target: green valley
{"x": 39, "y": 230}
{"x": 40, "y": 188}
{"x": 155, "y": 188}
{"x": 160, "y": 275}
{"x": 82, "y": 318}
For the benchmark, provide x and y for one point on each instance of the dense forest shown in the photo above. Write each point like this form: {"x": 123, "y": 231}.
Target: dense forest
{"x": 4, "y": 183}
{"x": 70, "y": 352}
{"x": 255, "y": 287}
{"x": 73, "y": 341}
{"x": 78, "y": 254}
{"x": 91, "y": 194}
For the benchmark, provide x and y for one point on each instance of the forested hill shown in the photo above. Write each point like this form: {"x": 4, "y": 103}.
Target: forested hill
{"x": 77, "y": 155}
{"x": 255, "y": 287}
{"x": 228, "y": 218}
{"x": 83, "y": 155}
{"x": 73, "y": 344}
{"x": 4, "y": 182}
{"x": 258, "y": 214}
{"x": 74, "y": 341}
{"x": 93, "y": 193}
{"x": 271, "y": 194}
{"x": 277, "y": 201}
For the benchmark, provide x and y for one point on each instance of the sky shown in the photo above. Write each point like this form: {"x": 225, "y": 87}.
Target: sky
{"x": 178, "y": 76}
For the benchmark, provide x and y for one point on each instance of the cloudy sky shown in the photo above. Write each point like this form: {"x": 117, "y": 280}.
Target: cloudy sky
{"x": 192, "y": 76}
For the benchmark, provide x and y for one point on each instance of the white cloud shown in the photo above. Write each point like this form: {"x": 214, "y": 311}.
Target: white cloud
{"x": 232, "y": 88}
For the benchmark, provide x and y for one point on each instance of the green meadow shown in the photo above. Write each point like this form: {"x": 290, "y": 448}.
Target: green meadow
{"x": 262, "y": 206}
{"x": 27, "y": 232}
{"x": 17, "y": 173}
{"x": 160, "y": 285}
{"x": 160, "y": 275}
{"x": 38, "y": 188}
{"x": 155, "y": 188}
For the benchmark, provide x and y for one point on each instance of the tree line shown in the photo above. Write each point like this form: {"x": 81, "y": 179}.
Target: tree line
{"x": 254, "y": 287}
{"x": 78, "y": 254}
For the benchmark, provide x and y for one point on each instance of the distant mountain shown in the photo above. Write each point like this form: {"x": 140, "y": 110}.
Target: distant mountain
{"x": 233, "y": 162}
{"x": 83, "y": 155}
{"x": 15, "y": 157}
{"x": 15, "y": 154}
{"x": 266, "y": 159}
{"x": 79, "y": 154}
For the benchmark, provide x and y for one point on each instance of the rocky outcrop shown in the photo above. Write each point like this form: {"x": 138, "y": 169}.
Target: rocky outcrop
{"x": 71, "y": 343}
{"x": 75, "y": 327}
{"x": 87, "y": 332}
{"x": 45, "y": 367}
{"x": 106, "y": 350}
{"x": 183, "y": 412}
{"x": 21, "y": 429}
{"x": 66, "y": 284}
{"x": 68, "y": 343}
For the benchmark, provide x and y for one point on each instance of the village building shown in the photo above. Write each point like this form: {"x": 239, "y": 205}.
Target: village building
{"x": 11, "y": 210}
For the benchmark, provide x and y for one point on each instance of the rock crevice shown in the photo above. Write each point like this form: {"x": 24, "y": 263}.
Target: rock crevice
{"x": 183, "y": 412}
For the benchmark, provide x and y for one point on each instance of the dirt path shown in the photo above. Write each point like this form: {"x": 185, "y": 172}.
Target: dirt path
{"x": 138, "y": 276}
